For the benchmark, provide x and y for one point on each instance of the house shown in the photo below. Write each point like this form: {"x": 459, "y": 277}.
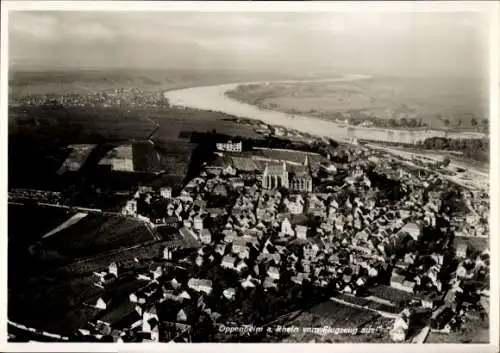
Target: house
{"x": 428, "y": 300}
{"x": 220, "y": 190}
{"x": 269, "y": 283}
{"x": 157, "y": 272}
{"x": 413, "y": 229}
{"x": 199, "y": 261}
{"x": 348, "y": 289}
{"x": 171, "y": 221}
{"x": 404, "y": 214}
{"x": 236, "y": 183}
{"x": 175, "y": 284}
{"x": 295, "y": 204}
{"x": 167, "y": 254}
{"x": 182, "y": 316}
{"x": 240, "y": 247}
{"x": 145, "y": 294}
{"x": 408, "y": 286}
{"x": 200, "y": 285}
{"x": 229, "y": 293}
{"x": 249, "y": 282}
{"x": 166, "y": 192}
{"x": 228, "y": 261}
{"x": 150, "y": 323}
{"x": 409, "y": 258}
{"x": 229, "y": 235}
{"x": 399, "y": 330}
{"x": 298, "y": 278}
{"x": 397, "y": 280}
{"x": 286, "y": 228}
{"x": 229, "y": 146}
{"x": 251, "y": 237}
{"x": 461, "y": 250}
{"x": 101, "y": 304}
{"x": 271, "y": 257}
{"x": 402, "y": 265}
{"x": 229, "y": 170}
{"x": 198, "y": 223}
{"x": 301, "y": 232}
{"x": 206, "y": 236}
{"x": 130, "y": 208}
{"x": 274, "y": 273}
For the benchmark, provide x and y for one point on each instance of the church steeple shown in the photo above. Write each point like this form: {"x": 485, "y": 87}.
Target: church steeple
{"x": 306, "y": 161}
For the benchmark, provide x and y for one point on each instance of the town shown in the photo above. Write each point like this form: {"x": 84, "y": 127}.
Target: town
{"x": 273, "y": 227}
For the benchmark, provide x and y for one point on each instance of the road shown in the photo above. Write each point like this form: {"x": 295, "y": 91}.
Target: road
{"x": 479, "y": 179}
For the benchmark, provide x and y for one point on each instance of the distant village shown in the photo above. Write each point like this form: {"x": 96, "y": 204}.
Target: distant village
{"x": 277, "y": 228}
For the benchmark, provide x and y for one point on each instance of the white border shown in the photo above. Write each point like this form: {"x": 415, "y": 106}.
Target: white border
{"x": 490, "y": 7}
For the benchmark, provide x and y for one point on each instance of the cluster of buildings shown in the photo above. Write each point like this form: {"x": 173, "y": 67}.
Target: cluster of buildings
{"x": 132, "y": 97}
{"x": 270, "y": 231}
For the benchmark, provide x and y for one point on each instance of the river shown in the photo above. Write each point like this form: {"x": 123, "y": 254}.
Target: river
{"x": 214, "y": 98}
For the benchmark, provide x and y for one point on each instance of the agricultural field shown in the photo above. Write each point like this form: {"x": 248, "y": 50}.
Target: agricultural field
{"x": 431, "y": 101}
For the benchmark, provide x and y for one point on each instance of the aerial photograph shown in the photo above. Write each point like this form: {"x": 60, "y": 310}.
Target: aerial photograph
{"x": 243, "y": 177}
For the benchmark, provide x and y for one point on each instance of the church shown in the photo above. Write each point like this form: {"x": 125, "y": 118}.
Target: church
{"x": 296, "y": 178}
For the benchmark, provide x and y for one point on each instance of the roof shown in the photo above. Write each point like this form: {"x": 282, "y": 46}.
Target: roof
{"x": 240, "y": 241}
{"x": 298, "y": 170}
{"x": 397, "y": 278}
{"x": 411, "y": 227}
{"x": 229, "y": 258}
{"x": 244, "y": 164}
{"x": 200, "y": 282}
{"x": 389, "y": 293}
{"x": 117, "y": 316}
{"x": 276, "y": 169}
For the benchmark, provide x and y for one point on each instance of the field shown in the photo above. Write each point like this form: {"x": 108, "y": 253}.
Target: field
{"x": 432, "y": 101}
{"x": 35, "y": 149}
{"x": 92, "y": 235}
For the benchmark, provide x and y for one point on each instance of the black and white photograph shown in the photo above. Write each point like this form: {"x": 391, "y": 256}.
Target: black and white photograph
{"x": 253, "y": 174}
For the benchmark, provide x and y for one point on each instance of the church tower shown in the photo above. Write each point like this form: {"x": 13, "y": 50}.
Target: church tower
{"x": 306, "y": 161}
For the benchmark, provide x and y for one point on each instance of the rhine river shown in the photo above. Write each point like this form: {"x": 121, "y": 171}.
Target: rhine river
{"x": 214, "y": 98}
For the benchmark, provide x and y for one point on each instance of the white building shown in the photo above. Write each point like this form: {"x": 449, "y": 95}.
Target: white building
{"x": 286, "y": 228}
{"x": 230, "y": 146}
{"x": 130, "y": 208}
{"x": 166, "y": 192}
{"x": 200, "y": 285}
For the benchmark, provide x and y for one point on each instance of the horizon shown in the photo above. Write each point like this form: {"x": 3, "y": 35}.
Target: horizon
{"x": 420, "y": 44}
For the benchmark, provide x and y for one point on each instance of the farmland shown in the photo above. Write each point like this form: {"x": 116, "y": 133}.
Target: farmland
{"x": 436, "y": 103}
{"x": 94, "y": 234}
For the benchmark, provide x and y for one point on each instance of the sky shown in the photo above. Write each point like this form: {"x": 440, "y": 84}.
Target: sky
{"x": 420, "y": 44}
